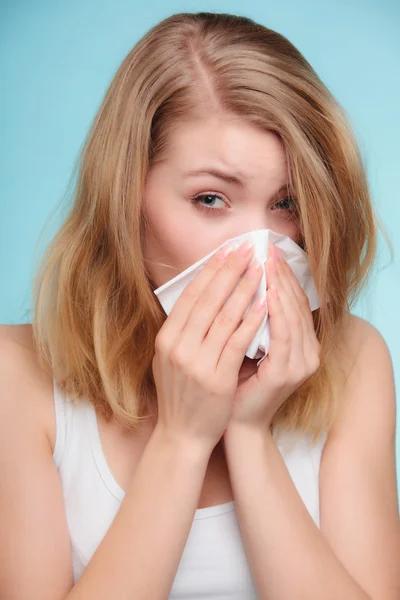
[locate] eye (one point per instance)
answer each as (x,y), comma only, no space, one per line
(289,204)
(196,200)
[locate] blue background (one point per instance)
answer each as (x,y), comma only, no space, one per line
(58,58)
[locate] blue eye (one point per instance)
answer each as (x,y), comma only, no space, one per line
(196,200)
(288,204)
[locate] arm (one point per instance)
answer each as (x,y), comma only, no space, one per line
(356,553)
(140,552)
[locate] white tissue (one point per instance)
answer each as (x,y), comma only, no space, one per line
(295,256)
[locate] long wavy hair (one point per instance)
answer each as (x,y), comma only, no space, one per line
(95,316)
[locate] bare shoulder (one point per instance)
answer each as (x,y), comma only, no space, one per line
(33,526)
(27,390)
(356,333)
(18,334)
(369,389)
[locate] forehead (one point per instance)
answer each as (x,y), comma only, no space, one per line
(231,143)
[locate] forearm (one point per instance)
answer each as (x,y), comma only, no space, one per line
(140,553)
(287,553)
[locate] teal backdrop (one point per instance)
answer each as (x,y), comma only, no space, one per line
(57,59)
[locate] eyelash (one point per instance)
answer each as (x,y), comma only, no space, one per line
(196,201)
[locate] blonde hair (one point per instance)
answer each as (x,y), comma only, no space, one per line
(95,314)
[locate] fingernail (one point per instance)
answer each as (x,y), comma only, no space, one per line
(245,248)
(253,270)
(273,253)
(271,264)
(225,252)
(260,304)
(274,291)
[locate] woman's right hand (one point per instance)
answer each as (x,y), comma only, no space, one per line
(200,348)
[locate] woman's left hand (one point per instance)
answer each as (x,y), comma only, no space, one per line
(293,352)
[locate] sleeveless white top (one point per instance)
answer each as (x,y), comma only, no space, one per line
(213,565)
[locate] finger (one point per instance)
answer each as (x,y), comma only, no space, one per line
(305,354)
(311,347)
(234,311)
(301,299)
(184,305)
(211,300)
(279,347)
(298,291)
(283,278)
(233,353)
(292,312)
(301,354)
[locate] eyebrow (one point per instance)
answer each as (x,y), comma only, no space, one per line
(215,172)
(230,178)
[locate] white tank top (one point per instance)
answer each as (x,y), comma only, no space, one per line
(213,564)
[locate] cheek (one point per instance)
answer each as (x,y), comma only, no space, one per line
(170,221)
(175,236)
(173,244)
(286,227)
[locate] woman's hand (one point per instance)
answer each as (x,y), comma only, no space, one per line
(200,348)
(293,352)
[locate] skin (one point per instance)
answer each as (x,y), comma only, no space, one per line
(358,541)
(238,148)
(354,554)
(180,232)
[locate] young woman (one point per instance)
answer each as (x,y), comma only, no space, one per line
(144,456)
